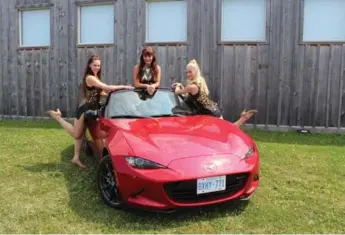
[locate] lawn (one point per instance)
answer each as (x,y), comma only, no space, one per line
(302,189)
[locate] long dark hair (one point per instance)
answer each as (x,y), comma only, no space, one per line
(88,71)
(148,51)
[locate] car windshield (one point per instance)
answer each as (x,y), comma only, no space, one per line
(138,104)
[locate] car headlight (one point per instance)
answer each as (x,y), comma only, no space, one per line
(141,163)
(249,153)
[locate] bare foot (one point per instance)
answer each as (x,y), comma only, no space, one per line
(54,114)
(248,114)
(78,163)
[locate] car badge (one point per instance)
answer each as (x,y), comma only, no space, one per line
(212,167)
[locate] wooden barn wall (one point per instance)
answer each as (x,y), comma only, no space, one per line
(291,84)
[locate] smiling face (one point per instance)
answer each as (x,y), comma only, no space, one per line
(95,66)
(148,58)
(190,71)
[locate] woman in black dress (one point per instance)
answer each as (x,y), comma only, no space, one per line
(147,74)
(89,97)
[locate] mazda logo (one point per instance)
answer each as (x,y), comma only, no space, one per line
(212,167)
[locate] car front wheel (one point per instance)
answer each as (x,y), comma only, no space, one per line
(107,183)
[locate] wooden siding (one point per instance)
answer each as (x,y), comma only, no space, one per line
(291,84)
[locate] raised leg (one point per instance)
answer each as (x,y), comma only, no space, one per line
(245,116)
(74,131)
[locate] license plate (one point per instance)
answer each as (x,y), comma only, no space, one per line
(212,184)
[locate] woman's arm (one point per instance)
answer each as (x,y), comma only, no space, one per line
(192,89)
(138,84)
(93,81)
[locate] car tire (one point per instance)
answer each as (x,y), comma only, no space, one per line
(106,183)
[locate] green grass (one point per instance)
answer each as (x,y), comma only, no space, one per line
(302,189)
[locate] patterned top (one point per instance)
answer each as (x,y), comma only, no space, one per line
(93,95)
(203,101)
(89,95)
(147,77)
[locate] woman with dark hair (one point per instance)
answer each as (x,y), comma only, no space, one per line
(147,74)
(89,97)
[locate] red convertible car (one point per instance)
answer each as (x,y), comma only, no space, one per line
(159,154)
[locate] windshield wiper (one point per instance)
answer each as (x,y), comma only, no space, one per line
(127,116)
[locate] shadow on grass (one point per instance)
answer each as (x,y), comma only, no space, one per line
(85,201)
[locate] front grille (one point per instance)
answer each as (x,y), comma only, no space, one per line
(185,191)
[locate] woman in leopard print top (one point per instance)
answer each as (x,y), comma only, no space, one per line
(89,97)
(198,94)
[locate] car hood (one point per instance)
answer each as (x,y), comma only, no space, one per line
(165,139)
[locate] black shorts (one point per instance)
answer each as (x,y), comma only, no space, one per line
(83,108)
(80,110)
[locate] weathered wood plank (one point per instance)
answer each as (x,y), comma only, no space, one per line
(37,90)
(262,80)
(294,83)
(171,66)
(308,83)
(214,63)
(341,86)
(335,81)
(12,60)
(342,117)
(253,81)
(2,6)
(161,54)
(183,60)
(120,31)
(80,70)
(72,67)
(227,81)
(194,27)
(247,83)
(30,82)
(328,87)
(54,68)
(287,45)
(274,61)
(45,75)
(131,38)
(21,84)
(204,48)
(61,20)
(321,84)
(140,32)
(314,87)
(238,88)
(4,103)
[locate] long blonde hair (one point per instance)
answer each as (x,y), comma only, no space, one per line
(198,77)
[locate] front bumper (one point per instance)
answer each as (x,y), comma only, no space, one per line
(166,189)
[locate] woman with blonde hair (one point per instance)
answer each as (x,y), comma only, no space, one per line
(197,92)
